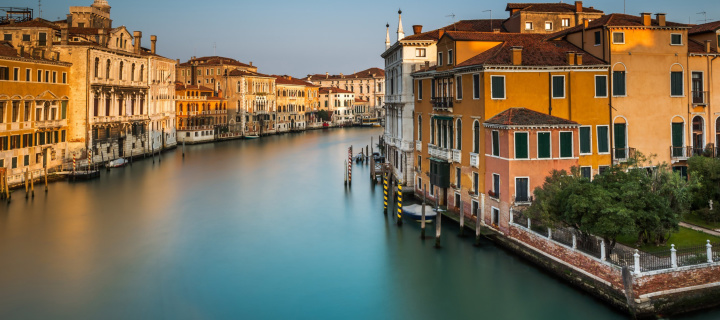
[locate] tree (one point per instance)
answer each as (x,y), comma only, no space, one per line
(706,174)
(323,115)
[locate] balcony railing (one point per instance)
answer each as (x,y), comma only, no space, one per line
(523,200)
(475,160)
(681,153)
(443,103)
(700,98)
(214,112)
(50,124)
(623,154)
(456,156)
(418,145)
(195,128)
(440,153)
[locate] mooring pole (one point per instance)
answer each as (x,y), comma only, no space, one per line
(183,148)
(7,187)
(46,178)
(131,156)
(345,173)
(385,192)
(479,215)
(462,219)
(27,194)
(422,220)
(438,221)
(399,201)
(32,184)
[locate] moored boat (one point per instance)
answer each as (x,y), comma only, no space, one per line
(414,212)
(117,163)
(252,137)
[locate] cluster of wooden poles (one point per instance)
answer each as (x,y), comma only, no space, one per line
(29,180)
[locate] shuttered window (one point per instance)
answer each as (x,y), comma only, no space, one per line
(521,145)
(676,83)
(496,143)
(458,87)
(600,86)
(63,110)
(677,139)
(619,134)
(602,139)
(566,145)
(619,83)
(497,87)
(558,87)
(476,86)
(544,145)
(521,189)
(420,90)
(585,140)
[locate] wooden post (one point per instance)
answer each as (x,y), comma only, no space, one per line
(26,184)
(462,219)
(479,214)
(7,186)
(152,149)
(131,155)
(32,184)
(422,220)
(2,184)
(46,178)
(399,204)
(438,221)
(345,173)
(183,147)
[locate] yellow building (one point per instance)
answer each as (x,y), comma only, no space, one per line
(200,116)
(33,112)
(478,76)
(312,101)
(255,101)
(292,103)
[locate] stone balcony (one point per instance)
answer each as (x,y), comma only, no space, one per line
(50,124)
(418,145)
(440,153)
(456,155)
(474,160)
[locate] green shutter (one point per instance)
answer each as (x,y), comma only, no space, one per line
(619,83)
(601,86)
(619,131)
(558,89)
(566,146)
(521,145)
(585,144)
(498,87)
(476,86)
(603,144)
(544,145)
(677,139)
(676,83)
(496,143)
(63,114)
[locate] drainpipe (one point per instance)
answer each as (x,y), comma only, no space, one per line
(611,125)
(710,87)
(550,93)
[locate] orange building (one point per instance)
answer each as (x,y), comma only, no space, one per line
(200,116)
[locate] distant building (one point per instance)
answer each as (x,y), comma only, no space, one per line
(367,84)
(292,103)
(339,104)
(547,17)
(200,115)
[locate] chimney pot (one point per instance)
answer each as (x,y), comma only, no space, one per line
(153,43)
(417,29)
(21,51)
(578,6)
(251,63)
(64,37)
(579,59)
(571,58)
(138,41)
(707,46)
(516,55)
(646,19)
(660,19)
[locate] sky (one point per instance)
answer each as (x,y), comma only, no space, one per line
(301,37)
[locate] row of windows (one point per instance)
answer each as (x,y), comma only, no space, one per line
(46,76)
(43,111)
(565,140)
(28,140)
(676,39)
(565,22)
(121,70)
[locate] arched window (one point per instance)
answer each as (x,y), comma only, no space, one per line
(132,72)
(458,135)
(97,67)
(142,72)
(107,69)
(476,137)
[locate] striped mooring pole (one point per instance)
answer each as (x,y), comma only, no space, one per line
(350,166)
(73,163)
(399,201)
(385,191)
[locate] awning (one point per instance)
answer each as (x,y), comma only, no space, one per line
(443,118)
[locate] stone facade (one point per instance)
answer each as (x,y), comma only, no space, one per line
(368,85)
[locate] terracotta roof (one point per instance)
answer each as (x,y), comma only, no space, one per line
(34,23)
(480,25)
(614,20)
(247,73)
(325,90)
(291,81)
(367,73)
(179,86)
(695,46)
(526,117)
(215,60)
(360,100)
(547,7)
(7,50)
(87,31)
(705,27)
(536,51)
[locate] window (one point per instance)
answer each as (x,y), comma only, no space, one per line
(419,52)
(458,88)
(619,89)
(450,57)
(676,84)
(476,137)
(565,22)
(496,143)
(544,145)
(14,163)
(440,59)
(598,40)
(476,86)
(39,76)
(54,77)
(47,76)
(474,207)
(586,140)
(548,26)
(457,200)
(42,39)
(7,37)
(558,87)
(676,39)
(528,25)
(496,186)
(27,75)
(497,87)
(16,74)
(586,172)
(600,86)
(495,216)
(419,163)
(432,88)
(522,189)
(521,145)
(420,90)
(476,183)
(678,138)
(603,139)
(458,135)
(458,176)
(618,38)
(566,144)
(620,133)
(64,77)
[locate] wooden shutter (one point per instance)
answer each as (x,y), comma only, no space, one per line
(498,87)
(496,143)
(558,87)
(601,86)
(476,86)
(585,144)
(521,145)
(676,83)
(544,145)
(602,134)
(619,83)
(566,147)
(677,139)
(619,130)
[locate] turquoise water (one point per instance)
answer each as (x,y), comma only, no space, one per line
(256,229)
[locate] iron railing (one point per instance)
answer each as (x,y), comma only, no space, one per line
(623,154)
(700,98)
(442,103)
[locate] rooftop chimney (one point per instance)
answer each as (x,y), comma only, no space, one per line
(341,75)
(251,63)
(496,30)
(153,42)
(578,6)
(21,51)
(579,59)
(138,41)
(707,46)
(441,32)
(646,19)
(585,23)
(417,29)
(660,19)
(64,37)
(570,58)
(327,75)
(516,56)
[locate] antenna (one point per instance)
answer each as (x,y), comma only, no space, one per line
(453,17)
(40,7)
(491,25)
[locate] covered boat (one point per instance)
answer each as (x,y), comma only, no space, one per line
(117,163)
(414,212)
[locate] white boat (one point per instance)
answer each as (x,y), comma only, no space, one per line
(252,137)
(414,212)
(117,163)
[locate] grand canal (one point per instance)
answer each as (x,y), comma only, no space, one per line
(256,229)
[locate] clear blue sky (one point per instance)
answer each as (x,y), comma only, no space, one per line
(298,37)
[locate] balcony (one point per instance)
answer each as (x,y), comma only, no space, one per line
(456,156)
(623,154)
(700,98)
(195,128)
(440,153)
(442,103)
(474,160)
(418,145)
(211,112)
(524,200)
(683,153)
(50,124)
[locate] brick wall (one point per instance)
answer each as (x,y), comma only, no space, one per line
(696,276)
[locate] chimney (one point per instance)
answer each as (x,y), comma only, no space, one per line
(21,51)
(178,61)
(516,56)
(57,56)
(441,32)
(585,23)
(660,19)
(327,75)
(101,37)
(578,6)
(417,29)
(578,59)
(251,63)
(138,41)
(153,42)
(341,75)
(570,58)
(496,30)
(707,46)
(646,19)
(64,37)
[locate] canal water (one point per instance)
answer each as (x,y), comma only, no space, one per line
(256,229)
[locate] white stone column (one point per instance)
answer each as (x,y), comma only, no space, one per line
(673,256)
(636,257)
(709,252)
